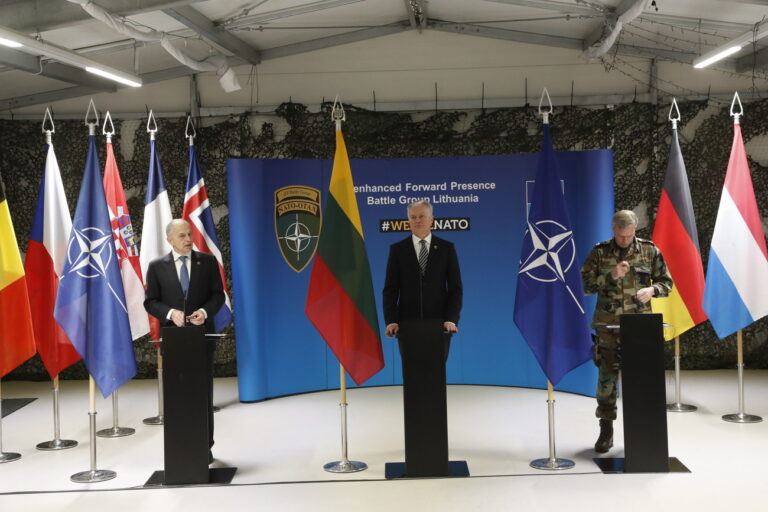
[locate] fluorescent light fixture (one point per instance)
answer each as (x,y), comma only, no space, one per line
(716,57)
(35,47)
(9,43)
(729,47)
(111,76)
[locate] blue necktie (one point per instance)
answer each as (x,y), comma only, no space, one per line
(184,274)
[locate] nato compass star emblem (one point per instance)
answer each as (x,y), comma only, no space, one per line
(89,256)
(297,237)
(552,254)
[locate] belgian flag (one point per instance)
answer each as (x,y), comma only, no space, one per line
(340,301)
(17,341)
(675,235)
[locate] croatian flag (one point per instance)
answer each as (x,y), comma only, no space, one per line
(735,294)
(90,304)
(45,259)
(157,215)
(126,247)
(197,211)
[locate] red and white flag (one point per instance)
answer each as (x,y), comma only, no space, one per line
(126,247)
(46,252)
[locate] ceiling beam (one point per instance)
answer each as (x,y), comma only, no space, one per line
(31,16)
(288,12)
(330,41)
(193,19)
(506,34)
(610,21)
(549,5)
(31,64)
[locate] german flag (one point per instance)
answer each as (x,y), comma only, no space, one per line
(340,301)
(675,235)
(17,341)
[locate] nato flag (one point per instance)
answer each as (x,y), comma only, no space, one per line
(549,301)
(90,304)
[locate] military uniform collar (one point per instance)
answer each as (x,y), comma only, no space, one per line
(631,248)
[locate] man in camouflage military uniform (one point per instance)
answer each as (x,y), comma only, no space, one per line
(624,272)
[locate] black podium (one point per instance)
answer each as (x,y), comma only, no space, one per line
(645,414)
(424,349)
(186,378)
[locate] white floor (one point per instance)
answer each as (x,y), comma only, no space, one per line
(280,446)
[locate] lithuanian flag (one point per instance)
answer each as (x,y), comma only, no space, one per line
(340,301)
(17,341)
(675,235)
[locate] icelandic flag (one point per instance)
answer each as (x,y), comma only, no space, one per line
(549,300)
(157,215)
(90,304)
(737,271)
(197,211)
(126,246)
(45,260)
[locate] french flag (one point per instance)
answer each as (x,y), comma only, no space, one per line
(157,215)
(197,211)
(737,272)
(46,252)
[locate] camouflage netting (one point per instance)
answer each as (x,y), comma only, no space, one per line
(639,134)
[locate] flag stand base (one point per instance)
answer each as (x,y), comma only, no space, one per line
(57,444)
(345,466)
(741,417)
(9,457)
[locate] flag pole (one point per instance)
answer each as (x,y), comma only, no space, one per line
(344,465)
(160,418)
(5,456)
(92,475)
(57,443)
(679,406)
(741,416)
(551,462)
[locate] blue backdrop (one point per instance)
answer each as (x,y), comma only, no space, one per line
(278,350)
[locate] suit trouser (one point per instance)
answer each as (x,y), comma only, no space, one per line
(211,348)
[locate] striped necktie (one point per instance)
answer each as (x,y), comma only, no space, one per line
(423,255)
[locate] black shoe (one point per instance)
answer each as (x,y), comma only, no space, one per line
(605,440)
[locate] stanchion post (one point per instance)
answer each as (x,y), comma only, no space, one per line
(93,475)
(551,462)
(116,430)
(57,443)
(159,419)
(741,416)
(344,465)
(678,406)
(9,456)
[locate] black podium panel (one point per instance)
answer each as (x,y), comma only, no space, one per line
(423,347)
(645,414)
(185,398)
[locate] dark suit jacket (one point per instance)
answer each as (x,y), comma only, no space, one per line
(409,296)
(164,289)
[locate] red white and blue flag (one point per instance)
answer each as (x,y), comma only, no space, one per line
(126,247)
(45,260)
(157,215)
(197,211)
(737,271)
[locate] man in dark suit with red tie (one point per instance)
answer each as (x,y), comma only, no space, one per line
(423,278)
(184,287)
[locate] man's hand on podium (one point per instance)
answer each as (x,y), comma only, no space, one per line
(197,318)
(450,327)
(177,317)
(391,330)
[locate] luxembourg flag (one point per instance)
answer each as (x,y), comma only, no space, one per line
(157,215)
(735,294)
(46,252)
(197,211)
(126,247)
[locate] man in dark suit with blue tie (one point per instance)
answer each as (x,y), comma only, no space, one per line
(423,280)
(184,287)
